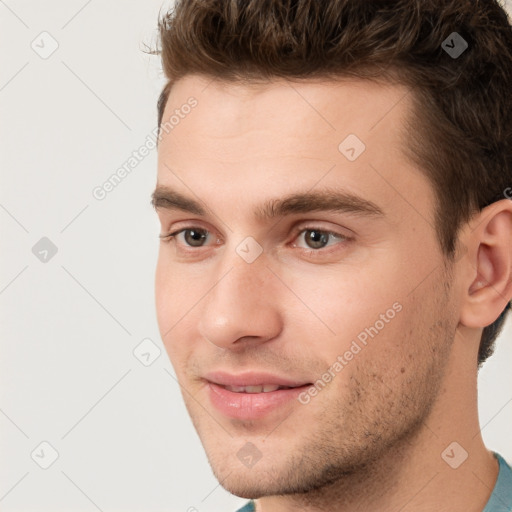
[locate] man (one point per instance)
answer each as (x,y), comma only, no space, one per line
(336,245)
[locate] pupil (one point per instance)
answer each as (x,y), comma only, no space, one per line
(318,239)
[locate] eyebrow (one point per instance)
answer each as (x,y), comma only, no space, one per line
(328,200)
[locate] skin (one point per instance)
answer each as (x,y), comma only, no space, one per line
(372,438)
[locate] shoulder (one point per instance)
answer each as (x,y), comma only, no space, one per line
(501,497)
(248,507)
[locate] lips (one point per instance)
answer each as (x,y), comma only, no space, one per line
(253,380)
(263,388)
(252,395)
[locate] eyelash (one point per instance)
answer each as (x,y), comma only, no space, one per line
(310,252)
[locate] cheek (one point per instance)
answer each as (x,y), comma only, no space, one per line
(172,290)
(162,292)
(344,306)
(177,294)
(169,304)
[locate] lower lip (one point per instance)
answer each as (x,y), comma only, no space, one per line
(251,406)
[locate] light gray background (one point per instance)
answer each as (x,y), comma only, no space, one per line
(69,325)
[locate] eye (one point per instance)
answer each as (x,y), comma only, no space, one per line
(315,238)
(194,237)
(318,238)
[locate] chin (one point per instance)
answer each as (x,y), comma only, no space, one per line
(245,487)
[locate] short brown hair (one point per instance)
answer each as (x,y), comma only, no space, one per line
(460,133)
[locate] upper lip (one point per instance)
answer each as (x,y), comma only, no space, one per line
(252,379)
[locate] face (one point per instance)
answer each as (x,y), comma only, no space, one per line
(304,261)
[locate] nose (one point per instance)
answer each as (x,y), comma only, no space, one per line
(243,306)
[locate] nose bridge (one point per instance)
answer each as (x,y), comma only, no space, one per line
(242,301)
(242,272)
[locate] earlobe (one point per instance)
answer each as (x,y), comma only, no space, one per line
(490,287)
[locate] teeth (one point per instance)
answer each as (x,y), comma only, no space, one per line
(264,388)
(236,389)
(253,389)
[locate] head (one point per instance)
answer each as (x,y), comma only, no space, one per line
(370,300)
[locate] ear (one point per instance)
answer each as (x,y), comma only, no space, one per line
(488,287)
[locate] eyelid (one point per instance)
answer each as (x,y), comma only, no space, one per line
(297,230)
(176,232)
(317,225)
(299,227)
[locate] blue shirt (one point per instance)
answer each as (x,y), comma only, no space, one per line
(501,497)
(500,500)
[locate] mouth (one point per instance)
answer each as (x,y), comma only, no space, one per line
(252,396)
(262,388)
(253,381)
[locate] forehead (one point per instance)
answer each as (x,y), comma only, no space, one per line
(284,133)
(335,101)
(311,117)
